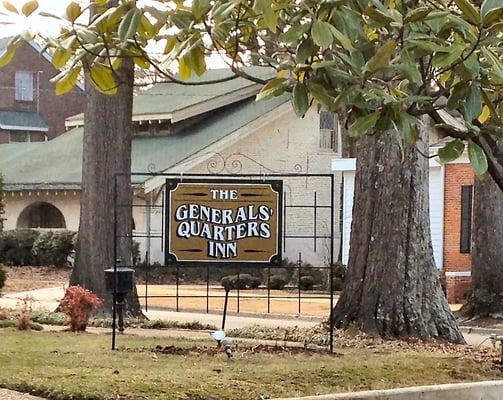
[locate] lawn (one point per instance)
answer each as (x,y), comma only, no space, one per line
(68,366)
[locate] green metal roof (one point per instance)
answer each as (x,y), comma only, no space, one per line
(58,163)
(168,98)
(20,120)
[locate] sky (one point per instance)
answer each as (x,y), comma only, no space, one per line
(14,24)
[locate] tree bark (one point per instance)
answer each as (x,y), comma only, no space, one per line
(392,286)
(106,152)
(486,297)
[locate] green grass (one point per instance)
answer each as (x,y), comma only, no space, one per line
(69,366)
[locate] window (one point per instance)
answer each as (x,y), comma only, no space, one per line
(41,215)
(329,131)
(24,86)
(466,219)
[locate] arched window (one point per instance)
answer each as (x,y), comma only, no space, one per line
(41,215)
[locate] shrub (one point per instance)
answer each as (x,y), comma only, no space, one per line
(277,282)
(16,247)
(78,304)
(255,282)
(3,276)
(25,311)
(339,276)
(306,282)
(241,282)
(53,248)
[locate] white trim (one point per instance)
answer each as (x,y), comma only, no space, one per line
(442,220)
(457,273)
(23,128)
(184,113)
(349,164)
(344,164)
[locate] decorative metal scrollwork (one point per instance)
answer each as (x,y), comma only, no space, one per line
(234,164)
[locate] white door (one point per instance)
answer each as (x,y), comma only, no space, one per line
(436,211)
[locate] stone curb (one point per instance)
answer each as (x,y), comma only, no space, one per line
(487,390)
(481,331)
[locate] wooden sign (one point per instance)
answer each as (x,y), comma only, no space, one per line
(227,221)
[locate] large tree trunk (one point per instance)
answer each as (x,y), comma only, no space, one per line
(486,296)
(392,285)
(107,151)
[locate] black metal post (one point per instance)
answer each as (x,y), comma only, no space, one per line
(269,289)
(239,283)
(177,283)
(315,218)
(114,296)
(207,289)
(299,263)
(120,311)
(225,307)
(332,221)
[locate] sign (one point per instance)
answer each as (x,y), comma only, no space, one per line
(228,221)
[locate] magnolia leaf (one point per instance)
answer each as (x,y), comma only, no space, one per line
(7,55)
(477,158)
(472,106)
(200,7)
(322,34)
(30,7)
(469,11)
(10,7)
(417,14)
(489,6)
(103,79)
(408,126)
(300,99)
(147,29)
(451,151)
(382,57)
(484,115)
(67,81)
(493,60)
(142,62)
(294,33)
(73,11)
(442,60)
(364,124)
(320,93)
(305,49)
(273,88)
(61,57)
(183,69)
(171,41)
(342,39)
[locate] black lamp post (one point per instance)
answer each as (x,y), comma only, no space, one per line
(119,281)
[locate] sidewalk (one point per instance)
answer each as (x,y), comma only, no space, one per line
(11,395)
(48,299)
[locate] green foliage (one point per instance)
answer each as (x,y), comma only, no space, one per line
(382,63)
(340,271)
(31,247)
(306,282)
(2,203)
(16,247)
(277,282)
(53,248)
(241,282)
(3,276)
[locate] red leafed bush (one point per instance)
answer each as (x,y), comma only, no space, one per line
(78,304)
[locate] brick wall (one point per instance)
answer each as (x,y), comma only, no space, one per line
(456,176)
(54,109)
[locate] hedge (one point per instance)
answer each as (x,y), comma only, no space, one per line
(31,247)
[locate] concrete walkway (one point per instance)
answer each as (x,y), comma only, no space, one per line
(48,299)
(11,395)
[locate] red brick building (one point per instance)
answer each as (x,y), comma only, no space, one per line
(29,108)
(450,195)
(458,195)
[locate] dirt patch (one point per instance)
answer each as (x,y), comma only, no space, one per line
(20,279)
(258,349)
